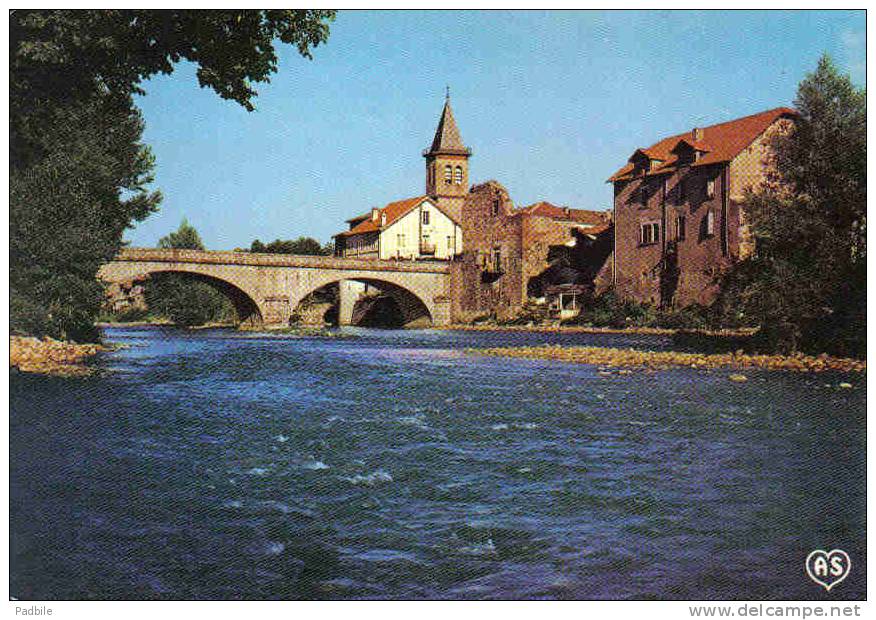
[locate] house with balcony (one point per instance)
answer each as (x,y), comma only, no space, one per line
(410,229)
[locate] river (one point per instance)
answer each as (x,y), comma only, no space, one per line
(390,464)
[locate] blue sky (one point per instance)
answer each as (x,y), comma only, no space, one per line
(550,102)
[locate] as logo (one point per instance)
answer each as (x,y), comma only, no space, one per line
(828,568)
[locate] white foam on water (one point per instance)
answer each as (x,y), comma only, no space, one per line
(487,548)
(257,471)
(499,427)
(370,479)
(233,504)
(314,465)
(281,438)
(274,548)
(278,506)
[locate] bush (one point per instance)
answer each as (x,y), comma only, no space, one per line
(607,310)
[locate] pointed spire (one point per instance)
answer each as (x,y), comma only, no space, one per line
(447,138)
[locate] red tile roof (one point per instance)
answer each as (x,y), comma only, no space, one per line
(546,209)
(721,142)
(393,211)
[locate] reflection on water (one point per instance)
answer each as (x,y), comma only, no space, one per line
(219,464)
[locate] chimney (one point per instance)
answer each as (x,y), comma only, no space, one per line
(374,213)
(697,134)
(566,211)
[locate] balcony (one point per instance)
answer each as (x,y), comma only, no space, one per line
(427,249)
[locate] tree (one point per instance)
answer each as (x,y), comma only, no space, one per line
(79,173)
(180,298)
(184,238)
(68,210)
(805,285)
(304,246)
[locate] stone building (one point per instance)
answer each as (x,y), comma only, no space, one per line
(677,217)
(513,255)
(502,256)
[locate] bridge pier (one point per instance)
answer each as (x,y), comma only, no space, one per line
(348,294)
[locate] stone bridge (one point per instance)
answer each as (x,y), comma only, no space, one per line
(268,288)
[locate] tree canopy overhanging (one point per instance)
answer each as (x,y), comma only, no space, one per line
(79,171)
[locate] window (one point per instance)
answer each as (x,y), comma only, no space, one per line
(448,174)
(497,260)
(458,177)
(400,241)
(495,210)
(449,243)
(710,188)
(680,228)
(680,192)
(709,224)
(649,233)
(643,194)
(425,217)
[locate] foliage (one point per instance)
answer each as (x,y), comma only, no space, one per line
(180,298)
(304,246)
(68,210)
(186,302)
(805,285)
(607,310)
(184,238)
(79,173)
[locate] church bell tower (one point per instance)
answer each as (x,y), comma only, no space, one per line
(447,164)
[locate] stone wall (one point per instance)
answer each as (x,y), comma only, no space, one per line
(488,224)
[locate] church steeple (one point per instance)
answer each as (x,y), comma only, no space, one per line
(447,139)
(447,162)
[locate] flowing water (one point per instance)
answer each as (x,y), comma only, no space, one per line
(222,464)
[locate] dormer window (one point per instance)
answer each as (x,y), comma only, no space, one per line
(383,219)
(656,163)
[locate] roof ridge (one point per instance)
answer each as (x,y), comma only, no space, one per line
(730,122)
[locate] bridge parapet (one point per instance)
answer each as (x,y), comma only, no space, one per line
(211,257)
(269,287)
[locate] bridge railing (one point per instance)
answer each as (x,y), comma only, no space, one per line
(213,257)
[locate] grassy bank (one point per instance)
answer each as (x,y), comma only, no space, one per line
(661,360)
(48,356)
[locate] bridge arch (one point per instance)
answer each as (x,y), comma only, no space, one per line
(360,295)
(244,301)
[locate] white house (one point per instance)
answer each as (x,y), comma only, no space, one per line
(405,229)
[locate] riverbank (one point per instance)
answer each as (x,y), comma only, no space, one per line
(583,329)
(51,357)
(662,360)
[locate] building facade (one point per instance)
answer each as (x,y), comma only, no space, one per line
(515,255)
(677,218)
(414,228)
